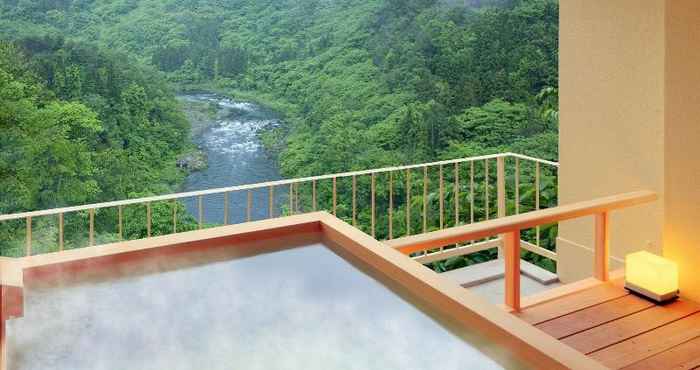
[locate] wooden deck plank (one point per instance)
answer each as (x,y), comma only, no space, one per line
(571,303)
(594,316)
(652,343)
(629,326)
(683,356)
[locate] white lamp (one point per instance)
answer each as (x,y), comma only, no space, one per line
(652,276)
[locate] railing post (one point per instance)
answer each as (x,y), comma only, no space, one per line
(335,196)
(354,200)
(91,236)
(291,198)
(456,194)
(60,231)
(120,222)
(226,206)
(249,206)
(175,216)
(313,195)
(511,243)
(148,221)
(501,193)
(28,241)
(425,199)
(408,202)
(271,201)
(517,186)
(200,206)
(373,201)
(391,205)
(602,247)
(442,200)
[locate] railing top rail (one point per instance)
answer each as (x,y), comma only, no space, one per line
(159,198)
(522,221)
(533,159)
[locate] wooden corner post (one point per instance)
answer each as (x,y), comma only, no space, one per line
(601,270)
(511,246)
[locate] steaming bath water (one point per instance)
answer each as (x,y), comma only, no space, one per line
(301,308)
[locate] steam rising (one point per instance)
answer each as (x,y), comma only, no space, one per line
(304,308)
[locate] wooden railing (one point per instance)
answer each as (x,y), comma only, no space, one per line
(418,191)
(511,226)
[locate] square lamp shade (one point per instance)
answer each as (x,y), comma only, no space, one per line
(652,276)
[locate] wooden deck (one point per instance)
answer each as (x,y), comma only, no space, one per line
(622,330)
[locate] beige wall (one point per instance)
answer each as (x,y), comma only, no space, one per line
(682,142)
(630,119)
(612,113)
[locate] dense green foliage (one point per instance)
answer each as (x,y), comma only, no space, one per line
(362,83)
(81,126)
(360,70)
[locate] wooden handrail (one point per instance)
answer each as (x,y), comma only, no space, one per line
(453,235)
(509,228)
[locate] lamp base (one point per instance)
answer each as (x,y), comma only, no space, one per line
(651,295)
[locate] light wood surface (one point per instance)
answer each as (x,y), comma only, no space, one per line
(653,343)
(590,317)
(629,326)
(685,356)
(573,302)
(623,332)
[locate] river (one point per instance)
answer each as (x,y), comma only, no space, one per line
(226,130)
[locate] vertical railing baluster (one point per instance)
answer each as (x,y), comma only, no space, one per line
(354,200)
(120,222)
(313,195)
(60,232)
(486,189)
(456,193)
(425,199)
(291,198)
(249,206)
(373,216)
(537,199)
(271,201)
(28,239)
(200,202)
(148,219)
(391,205)
(471,192)
(91,235)
(335,196)
(517,186)
(296,198)
(226,208)
(442,199)
(408,202)
(501,195)
(174,216)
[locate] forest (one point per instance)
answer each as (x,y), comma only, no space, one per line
(360,84)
